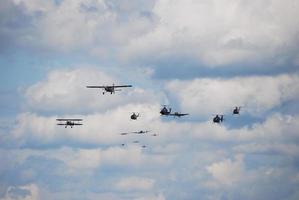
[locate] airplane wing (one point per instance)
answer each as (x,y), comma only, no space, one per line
(183,114)
(178,114)
(77,124)
(120,86)
(60,124)
(69,119)
(95,86)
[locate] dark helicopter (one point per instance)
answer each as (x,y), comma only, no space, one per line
(134,116)
(165,110)
(236,111)
(218,119)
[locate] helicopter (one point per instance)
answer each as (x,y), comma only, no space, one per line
(236,111)
(165,110)
(134,116)
(218,119)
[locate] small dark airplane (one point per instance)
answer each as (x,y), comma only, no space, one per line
(136,132)
(236,111)
(69,122)
(177,114)
(165,110)
(141,132)
(218,119)
(123,144)
(109,88)
(134,116)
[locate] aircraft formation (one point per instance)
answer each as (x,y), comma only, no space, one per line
(165,111)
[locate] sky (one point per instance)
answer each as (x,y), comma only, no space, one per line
(199,57)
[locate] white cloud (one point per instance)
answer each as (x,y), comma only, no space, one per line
(32,6)
(98,128)
(220,33)
(135,183)
(270,148)
(207,96)
(65,90)
(152,197)
(95,25)
(26,192)
(227,172)
(210,32)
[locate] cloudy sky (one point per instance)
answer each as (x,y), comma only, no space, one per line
(203,57)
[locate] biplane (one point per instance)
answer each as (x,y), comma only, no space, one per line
(69,122)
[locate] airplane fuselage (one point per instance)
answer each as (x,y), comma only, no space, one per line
(109,89)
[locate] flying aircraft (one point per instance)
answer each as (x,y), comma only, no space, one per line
(177,114)
(109,88)
(154,135)
(134,116)
(69,122)
(218,119)
(136,132)
(236,111)
(143,146)
(141,132)
(165,110)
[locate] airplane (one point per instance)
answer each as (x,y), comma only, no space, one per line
(134,116)
(165,111)
(236,111)
(141,132)
(177,114)
(218,119)
(136,132)
(69,122)
(154,135)
(109,88)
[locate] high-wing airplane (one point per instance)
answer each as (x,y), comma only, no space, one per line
(69,122)
(177,114)
(165,110)
(109,88)
(236,111)
(134,116)
(218,119)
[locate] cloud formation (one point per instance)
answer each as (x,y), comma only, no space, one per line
(257,94)
(222,54)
